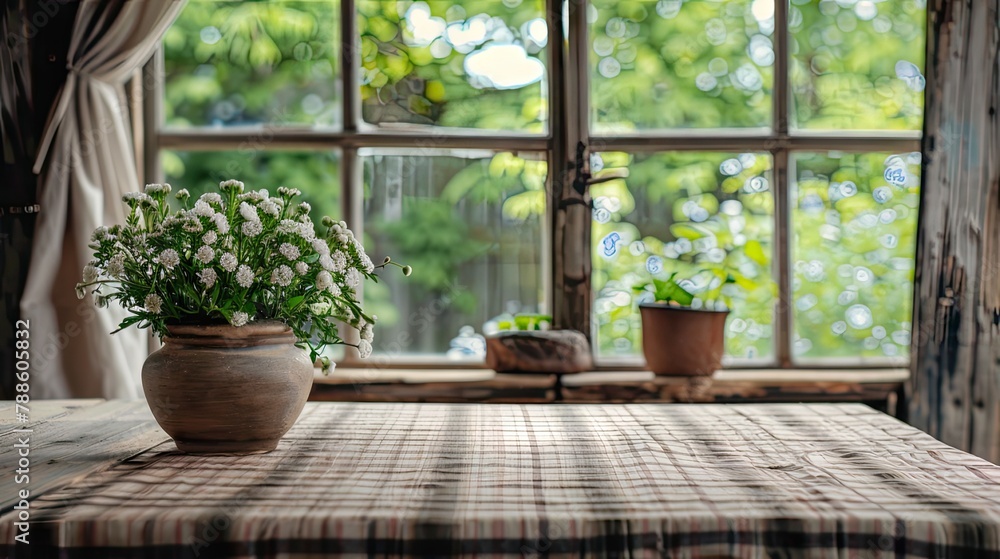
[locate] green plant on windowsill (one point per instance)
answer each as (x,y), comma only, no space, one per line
(679,339)
(670,292)
(524,322)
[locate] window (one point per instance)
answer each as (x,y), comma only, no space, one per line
(776,144)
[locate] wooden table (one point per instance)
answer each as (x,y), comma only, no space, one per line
(376,479)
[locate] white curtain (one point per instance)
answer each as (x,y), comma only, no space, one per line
(86,163)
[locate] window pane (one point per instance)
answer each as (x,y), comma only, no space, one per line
(857,65)
(705,216)
(463,64)
(245,63)
(316,174)
(471,227)
(680,64)
(855,223)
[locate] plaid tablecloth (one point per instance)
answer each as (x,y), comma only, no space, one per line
(387,480)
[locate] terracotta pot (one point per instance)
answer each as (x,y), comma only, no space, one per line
(681,341)
(224,390)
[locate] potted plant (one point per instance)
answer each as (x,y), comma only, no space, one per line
(245,293)
(679,340)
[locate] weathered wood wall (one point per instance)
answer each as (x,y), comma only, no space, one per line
(954,392)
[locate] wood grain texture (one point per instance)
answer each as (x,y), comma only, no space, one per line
(70,440)
(953,393)
(478,385)
(482,386)
(733,387)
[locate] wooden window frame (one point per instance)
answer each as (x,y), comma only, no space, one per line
(567,273)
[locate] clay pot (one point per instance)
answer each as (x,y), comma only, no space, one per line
(219,389)
(680,341)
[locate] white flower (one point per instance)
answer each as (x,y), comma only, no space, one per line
(306,231)
(288,227)
(270,208)
(366,263)
(169,258)
(153,303)
(335,290)
(228,262)
(193,225)
(320,246)
(368,333)
(208,277)
(290,192)
(169,222)
(353,278)
(240,318)
(116,266)
(304,208)
(210,198)
(302,268)
(282,275)
(99,234)
(339,262)
(364,348)
(221,223)
(244,276)
(89,273)
(210,238)
(228,185)
(157,188)
(289,251)
(326,262)
(324,280)
(248,212)
(205,254)
(201,208)
(81,292)
(252,228)
(319,309)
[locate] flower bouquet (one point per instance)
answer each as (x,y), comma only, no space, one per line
(235,257)
(237,285)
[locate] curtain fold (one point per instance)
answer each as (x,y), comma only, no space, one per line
(86,164)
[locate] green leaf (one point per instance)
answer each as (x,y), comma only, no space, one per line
(669,290)
(755,251)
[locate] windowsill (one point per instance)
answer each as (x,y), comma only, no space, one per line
(352,375)
(877,386)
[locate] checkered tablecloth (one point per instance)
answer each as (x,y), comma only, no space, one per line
(677,481)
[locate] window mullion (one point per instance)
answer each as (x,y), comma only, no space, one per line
(782,192)
(152,115)
(349,66)
(571,262)
(781,252)
(780,93)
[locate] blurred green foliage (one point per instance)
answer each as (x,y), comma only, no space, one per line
(703,216)
(471,224)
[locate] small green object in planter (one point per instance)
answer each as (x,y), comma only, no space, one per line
(526,322)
